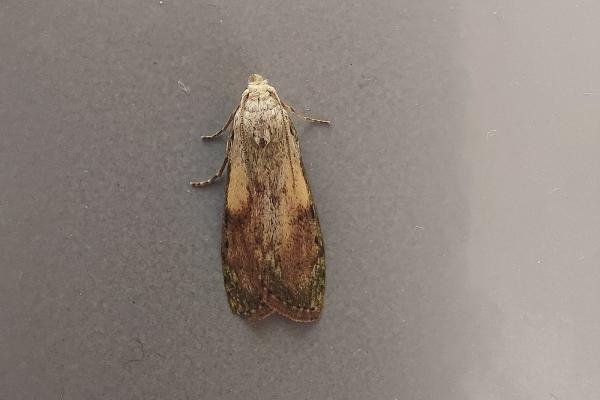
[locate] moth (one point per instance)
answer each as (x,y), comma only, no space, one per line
(272,246)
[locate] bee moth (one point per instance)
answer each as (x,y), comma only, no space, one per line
(272,246)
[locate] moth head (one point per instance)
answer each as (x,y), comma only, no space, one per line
(256,79)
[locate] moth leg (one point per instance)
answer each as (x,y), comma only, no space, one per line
(217,175)
(229,121)
(290,108)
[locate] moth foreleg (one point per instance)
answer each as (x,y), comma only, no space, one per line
(290,108)
(217,175)
(229,121)
(213,178)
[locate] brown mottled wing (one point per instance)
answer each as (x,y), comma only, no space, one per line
(294,284)
(239,241)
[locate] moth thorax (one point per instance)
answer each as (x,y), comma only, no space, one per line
(262,137)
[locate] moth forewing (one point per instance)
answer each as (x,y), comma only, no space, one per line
(272,246)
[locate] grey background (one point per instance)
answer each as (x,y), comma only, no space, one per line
(458,192)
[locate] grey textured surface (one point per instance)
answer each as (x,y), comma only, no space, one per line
(458,192)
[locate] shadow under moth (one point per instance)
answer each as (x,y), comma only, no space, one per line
(272,246)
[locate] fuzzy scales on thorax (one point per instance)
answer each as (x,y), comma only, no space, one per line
(268,145)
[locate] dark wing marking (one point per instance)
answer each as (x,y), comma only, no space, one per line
(240,262)
(294,284)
